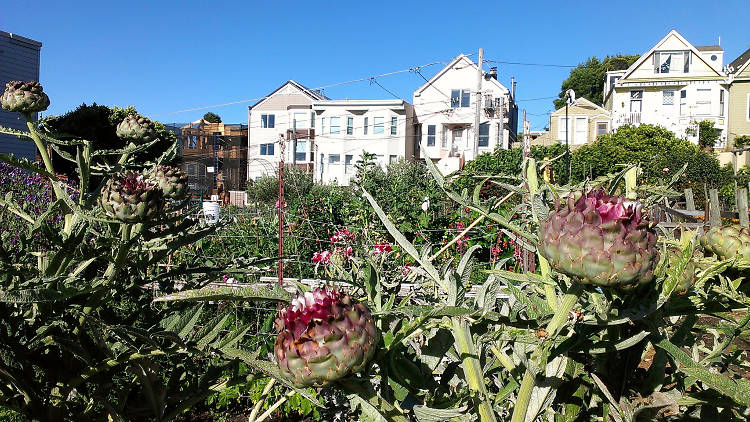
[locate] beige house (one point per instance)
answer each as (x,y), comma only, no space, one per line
(586,122)
(739,96)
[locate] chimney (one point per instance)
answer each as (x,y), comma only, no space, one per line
(493,73)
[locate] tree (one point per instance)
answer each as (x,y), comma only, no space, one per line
(707,134)
(587,79)
(212,117)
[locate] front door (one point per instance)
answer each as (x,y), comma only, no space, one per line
(458,138)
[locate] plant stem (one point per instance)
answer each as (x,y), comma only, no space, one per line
(553,327)
(273,407)
(369,395)
(43,153)
(122,252)
(259,404)
(472,368)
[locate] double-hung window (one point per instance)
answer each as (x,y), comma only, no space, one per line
(484,134)
(301,153)
(703,101)
(348,164)
(322,125)
(394,125)
(266,149)
(636,101)
(335,125)
(460,98)
(721,103)
(378,125)
(365,125)
(268,121)
(562,126)
(431,135)
(334,159)
(350,125)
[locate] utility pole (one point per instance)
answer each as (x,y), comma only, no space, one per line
(281,210)
(480,76)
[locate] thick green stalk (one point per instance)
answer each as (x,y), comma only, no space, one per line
(43,153)
(122,252)
(553,327)
(472,368)
(263,396)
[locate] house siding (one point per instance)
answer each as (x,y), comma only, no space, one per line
(739,101)
(593,116)
(19,60)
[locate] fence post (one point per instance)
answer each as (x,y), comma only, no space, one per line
(689,200)
(715,214)
(742,206)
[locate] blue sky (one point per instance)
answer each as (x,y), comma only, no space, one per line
(164,57)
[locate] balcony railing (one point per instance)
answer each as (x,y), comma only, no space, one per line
(631,118)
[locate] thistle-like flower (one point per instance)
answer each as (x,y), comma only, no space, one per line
(600,239)
(323,336)
(136,128)
(24,97)
(172,181)
(727,242)
(130,198)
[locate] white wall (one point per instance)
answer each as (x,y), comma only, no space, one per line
(385,145)
(433,107)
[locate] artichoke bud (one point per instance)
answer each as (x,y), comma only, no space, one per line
(727,242)
(172,181)
(24,97)
(323,335)
(136,128)
(600,239)
(130,198)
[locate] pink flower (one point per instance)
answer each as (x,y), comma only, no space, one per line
(279,205)
(381,248)
(460,225)
(341,235)
(406,270)
(321,257)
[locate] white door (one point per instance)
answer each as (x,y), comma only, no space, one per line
(582,130)
(458,135)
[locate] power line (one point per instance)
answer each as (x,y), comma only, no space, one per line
(532,64)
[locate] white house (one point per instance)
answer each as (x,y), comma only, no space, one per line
(284,115)
(445,107)
(674,85)
(346,129)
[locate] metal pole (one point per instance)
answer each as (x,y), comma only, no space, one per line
(281,212)
(567,147)
(475,150)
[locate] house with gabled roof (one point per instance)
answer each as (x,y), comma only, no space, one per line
(675,85)
(586,122)
(445,108)
(739,96)
(283,116)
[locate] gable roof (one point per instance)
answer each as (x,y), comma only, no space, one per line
(650,52)
(739,63)
(584,102)
(314,95)
(461,58)
(709,48)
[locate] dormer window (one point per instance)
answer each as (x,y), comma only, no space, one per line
(672,61)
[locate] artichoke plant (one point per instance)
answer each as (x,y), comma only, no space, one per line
(130,198)
(172,181)
(600,239)
(727,242)
(136,128)
(24,97)
(323,336)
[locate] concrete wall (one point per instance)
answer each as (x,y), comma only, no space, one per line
(19,61)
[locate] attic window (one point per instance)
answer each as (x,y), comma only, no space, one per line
(713,57)
(672,61)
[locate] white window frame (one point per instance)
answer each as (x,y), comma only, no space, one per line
(561,128)
(331,160)
(433,135)
(664,96)
(378,127)
(337,125)
(394,125)
(585,120)
(350,125)
(747,111)
(699,103)
(266,144)
(267,123)
(365,125)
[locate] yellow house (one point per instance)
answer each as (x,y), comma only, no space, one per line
(739,96)
(586,122)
